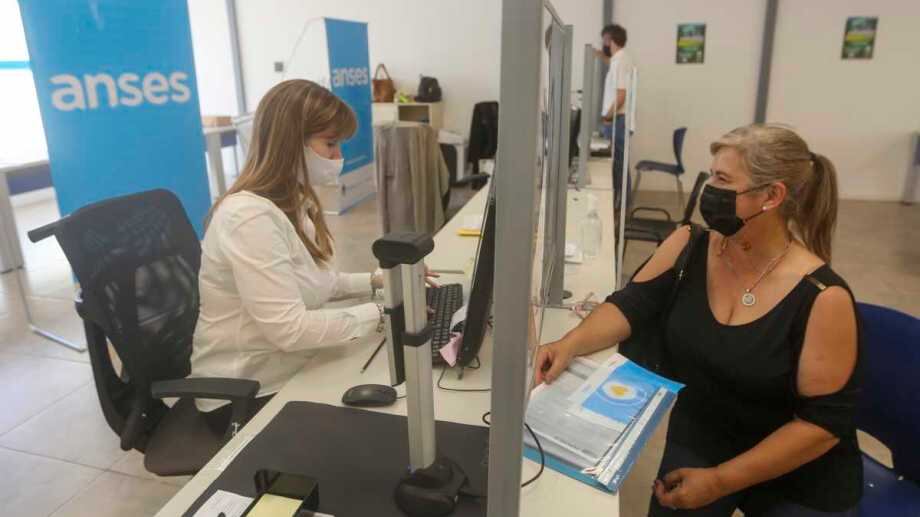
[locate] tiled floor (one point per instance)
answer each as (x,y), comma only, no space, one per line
(58,456)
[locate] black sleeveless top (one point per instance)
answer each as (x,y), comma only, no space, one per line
(741,380)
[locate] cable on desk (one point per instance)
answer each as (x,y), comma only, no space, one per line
(460,390)
(536,440)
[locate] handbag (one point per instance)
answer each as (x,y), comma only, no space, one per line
(646,346)
(383,89)
(428,90)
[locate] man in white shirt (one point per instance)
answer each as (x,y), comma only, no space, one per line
(613,109)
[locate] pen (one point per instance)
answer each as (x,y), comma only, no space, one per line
(376,351)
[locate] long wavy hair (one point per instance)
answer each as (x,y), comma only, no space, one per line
(287,117)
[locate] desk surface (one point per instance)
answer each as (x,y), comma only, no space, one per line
(332,371)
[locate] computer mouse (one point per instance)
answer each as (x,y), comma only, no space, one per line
(369,395)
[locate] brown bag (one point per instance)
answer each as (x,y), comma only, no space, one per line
(384,89)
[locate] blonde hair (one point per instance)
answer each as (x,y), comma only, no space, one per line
(288,115)
(774,153)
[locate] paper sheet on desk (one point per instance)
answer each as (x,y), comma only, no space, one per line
(226,503)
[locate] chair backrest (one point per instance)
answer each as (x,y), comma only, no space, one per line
(678,141)
(483,133)
(244,125)
(889,408)
(694,196)
(137,259)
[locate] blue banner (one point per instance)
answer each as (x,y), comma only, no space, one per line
(118,96)
(349,74)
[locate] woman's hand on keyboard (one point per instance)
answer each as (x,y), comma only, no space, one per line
(429,275)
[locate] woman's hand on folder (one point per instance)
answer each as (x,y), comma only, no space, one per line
(552,360)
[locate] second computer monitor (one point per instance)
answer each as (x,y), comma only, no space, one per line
(479,306)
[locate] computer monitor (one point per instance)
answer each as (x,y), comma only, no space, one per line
(479,306)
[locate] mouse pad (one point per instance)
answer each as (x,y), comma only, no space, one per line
(357,456)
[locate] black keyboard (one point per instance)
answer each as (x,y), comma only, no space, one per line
(444,301)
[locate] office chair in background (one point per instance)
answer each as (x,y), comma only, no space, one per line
(657,230)
(889,409)
(137,258)
(674,169)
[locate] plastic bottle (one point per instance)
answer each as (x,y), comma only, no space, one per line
(591,230)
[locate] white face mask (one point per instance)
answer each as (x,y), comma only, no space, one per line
(323,171)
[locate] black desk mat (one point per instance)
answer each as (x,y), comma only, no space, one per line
(357,456)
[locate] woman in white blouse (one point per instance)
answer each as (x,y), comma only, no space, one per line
(268,263)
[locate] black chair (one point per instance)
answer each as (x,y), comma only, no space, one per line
(657,230)
(137,258)
(483,134)
(674,169)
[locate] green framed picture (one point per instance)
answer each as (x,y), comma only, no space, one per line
(691,43)
(859,37)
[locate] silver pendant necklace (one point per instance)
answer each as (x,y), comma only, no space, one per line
(748,299)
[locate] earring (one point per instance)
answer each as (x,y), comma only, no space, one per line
(763,208)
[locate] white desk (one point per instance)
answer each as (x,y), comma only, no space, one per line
(213,137)
(10,249)
(333,371)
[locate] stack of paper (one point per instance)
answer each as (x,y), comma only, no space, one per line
(593,421)
(471,226)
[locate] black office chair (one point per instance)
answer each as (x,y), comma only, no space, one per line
(674,169)
(137,258)
(657,230)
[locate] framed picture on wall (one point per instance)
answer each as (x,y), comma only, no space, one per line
(691,43)
(859,37)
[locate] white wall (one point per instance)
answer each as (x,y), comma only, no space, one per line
(586,17)
(213,57)
(858,113)
(709,98)
(457,42)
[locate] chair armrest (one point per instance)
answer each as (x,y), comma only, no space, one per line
(206,388)
(652,236)
(650,209)
(466,180)
(240,392)
(43,232)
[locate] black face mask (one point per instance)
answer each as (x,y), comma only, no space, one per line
(718,208)
(607,51)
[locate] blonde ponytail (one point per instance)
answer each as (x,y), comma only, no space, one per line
(816,214)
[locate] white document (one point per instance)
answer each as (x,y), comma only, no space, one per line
(558,424)
(228,503)
(472,222)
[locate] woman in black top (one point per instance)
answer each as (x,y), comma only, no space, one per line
(762,332)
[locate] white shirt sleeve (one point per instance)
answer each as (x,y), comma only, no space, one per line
(264,273)
(351,285)
(609,94)
(624,69)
